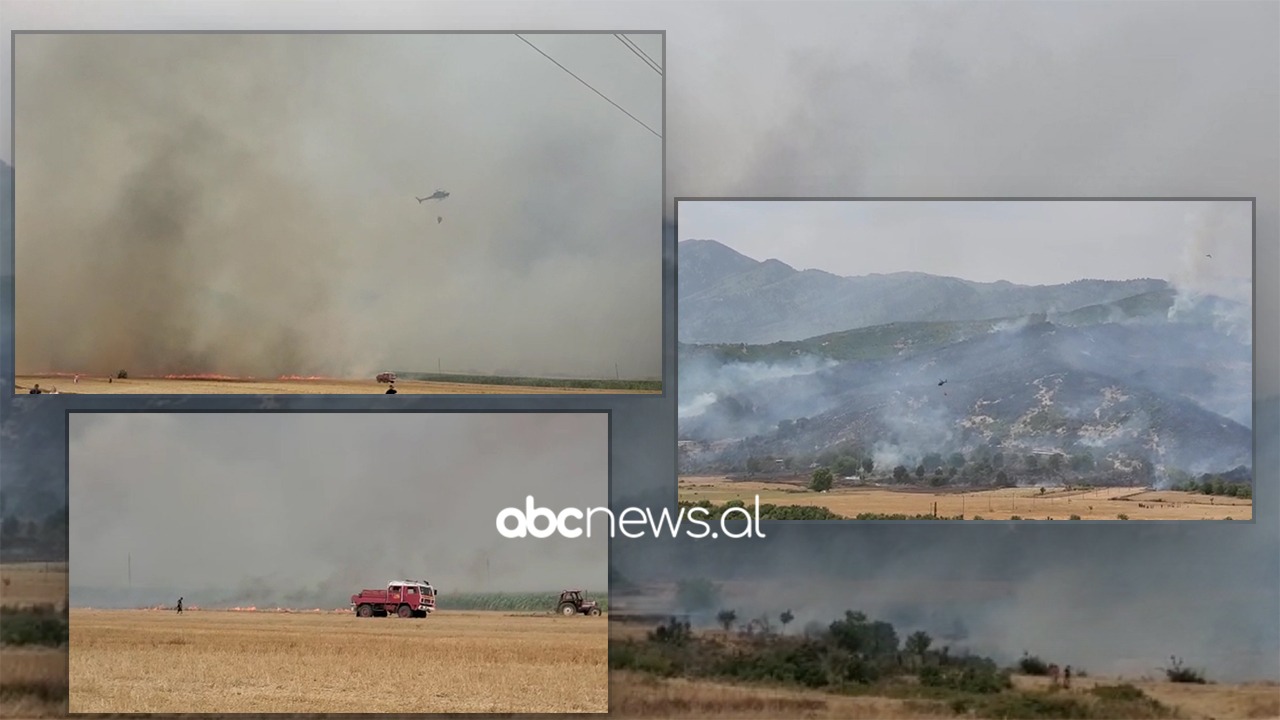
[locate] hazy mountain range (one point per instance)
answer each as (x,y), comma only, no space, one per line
(727,297)
(1124,370)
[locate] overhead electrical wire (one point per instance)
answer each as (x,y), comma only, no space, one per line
(645,54)
(638,52)
(584,82)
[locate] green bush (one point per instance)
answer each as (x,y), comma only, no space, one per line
(1033,665)
(39,625)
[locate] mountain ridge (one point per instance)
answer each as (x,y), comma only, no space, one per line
(725,296)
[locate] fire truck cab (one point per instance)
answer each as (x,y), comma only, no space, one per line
(403,598)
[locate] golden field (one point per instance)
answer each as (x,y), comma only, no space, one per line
(139,661)
(1106,503)
(167,386)
(633,695)
(33,683)
(36,583)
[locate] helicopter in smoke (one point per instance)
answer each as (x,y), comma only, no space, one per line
(437,195)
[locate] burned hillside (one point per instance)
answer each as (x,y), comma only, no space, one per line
(1138,392)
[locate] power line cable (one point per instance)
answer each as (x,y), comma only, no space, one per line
(584,82)
(635,50)
(642,52)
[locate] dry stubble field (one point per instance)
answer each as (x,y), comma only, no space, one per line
(34,583)
(1002,504)
(34,679)
(166,386)
(139,661)
(634,695)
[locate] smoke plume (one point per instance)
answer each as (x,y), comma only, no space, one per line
(295,508)
(244,205)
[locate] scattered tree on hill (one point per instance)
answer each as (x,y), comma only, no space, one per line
(868,465)
(900,473)
(727,618)
(917,644)
(932,461)
(785,618)
(920,472)
(1178,673)
(1033,665)
(821,481)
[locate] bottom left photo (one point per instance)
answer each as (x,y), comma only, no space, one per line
(334,563)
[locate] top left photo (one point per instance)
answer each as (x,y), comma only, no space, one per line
(332,213)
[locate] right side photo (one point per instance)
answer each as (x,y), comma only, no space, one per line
(961,359)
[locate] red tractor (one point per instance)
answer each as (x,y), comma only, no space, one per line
(572,603)
(403,598)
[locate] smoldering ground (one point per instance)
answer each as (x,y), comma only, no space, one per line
(306,509)
(244,205)
(1132,388)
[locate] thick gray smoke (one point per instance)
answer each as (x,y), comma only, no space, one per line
(924,99)
(301,509)
(244,205)
(1211,252)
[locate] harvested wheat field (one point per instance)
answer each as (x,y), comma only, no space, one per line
(635,695)
(1216,701)
(199,386)
(1026,503)
(33,583)
(139,661)
(34,682)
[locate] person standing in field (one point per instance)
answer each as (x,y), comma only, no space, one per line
(179,606)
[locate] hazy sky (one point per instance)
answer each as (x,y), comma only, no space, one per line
(1031,243)
(244,204)
(931,99)
(301,501)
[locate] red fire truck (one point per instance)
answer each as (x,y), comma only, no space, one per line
(403,598)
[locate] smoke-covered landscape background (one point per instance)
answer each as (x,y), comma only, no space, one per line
(305,510)
(860,99)
(245,205)
(1117,333)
